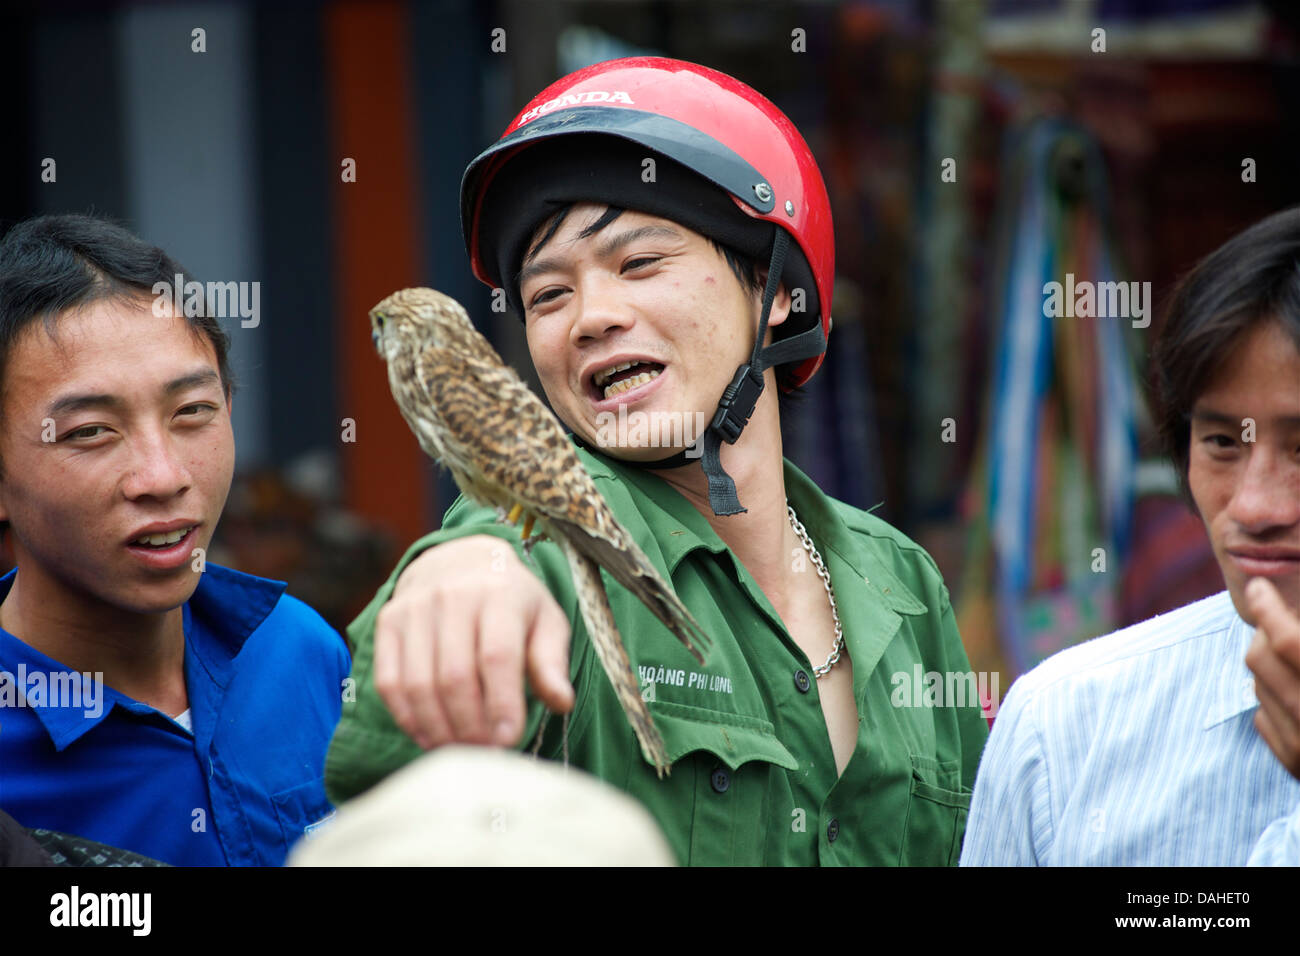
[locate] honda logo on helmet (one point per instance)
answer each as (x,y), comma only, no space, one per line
(575,99)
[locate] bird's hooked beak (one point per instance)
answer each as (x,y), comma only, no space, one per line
(376,332)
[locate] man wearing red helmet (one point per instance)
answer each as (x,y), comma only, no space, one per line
(665,235)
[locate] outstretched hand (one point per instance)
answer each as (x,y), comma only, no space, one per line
(466,623)
(1274,657)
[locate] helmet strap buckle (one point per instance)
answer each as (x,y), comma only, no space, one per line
(737,403)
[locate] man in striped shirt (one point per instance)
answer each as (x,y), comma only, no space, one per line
(1177,741)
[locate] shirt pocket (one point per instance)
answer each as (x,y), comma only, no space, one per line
(299,810)
(936,814)
(723,766)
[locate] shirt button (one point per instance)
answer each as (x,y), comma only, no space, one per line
(801,681)
(832,830)
(720,780)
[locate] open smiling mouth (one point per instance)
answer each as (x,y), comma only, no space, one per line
(165,551)
(617,379)
(163,540)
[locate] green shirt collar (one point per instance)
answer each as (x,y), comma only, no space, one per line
(684,529)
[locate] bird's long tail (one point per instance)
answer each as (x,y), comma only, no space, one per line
(613,657)
(663,602)
(629,566)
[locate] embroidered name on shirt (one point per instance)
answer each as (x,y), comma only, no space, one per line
(680,677)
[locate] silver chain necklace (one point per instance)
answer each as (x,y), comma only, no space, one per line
(834,657)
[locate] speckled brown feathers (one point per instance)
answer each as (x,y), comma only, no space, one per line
(474,414)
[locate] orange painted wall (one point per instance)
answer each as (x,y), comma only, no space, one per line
(386,475)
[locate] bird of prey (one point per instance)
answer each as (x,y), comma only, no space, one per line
(473,413)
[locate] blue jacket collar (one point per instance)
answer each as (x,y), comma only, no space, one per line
(225,609)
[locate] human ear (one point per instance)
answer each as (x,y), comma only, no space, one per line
(780,304)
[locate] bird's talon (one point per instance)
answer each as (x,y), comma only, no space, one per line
(537,744)
(529,544)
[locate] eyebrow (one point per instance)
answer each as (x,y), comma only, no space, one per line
(1211,416)
(605,249)
(609,246)
(67,404)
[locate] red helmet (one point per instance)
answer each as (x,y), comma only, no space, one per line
(713,126)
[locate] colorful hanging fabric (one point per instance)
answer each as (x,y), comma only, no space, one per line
(1052,499)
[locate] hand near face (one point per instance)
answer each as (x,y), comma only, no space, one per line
(1274,656)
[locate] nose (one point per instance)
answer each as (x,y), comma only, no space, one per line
(602,308)
(157,469)
(1268,492)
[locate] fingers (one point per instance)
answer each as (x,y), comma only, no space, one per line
(404,674)
(1274,657)
(548,656)
(501,650)
(1280,623)
(455,684)
(453,643)
(404,662)
(1284,724)
(1278,717)
(388,669)
(1274,676)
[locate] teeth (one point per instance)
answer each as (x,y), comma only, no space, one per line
(619,387)
(171,537)
(603,377)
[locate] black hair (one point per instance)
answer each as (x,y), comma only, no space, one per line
(1253,277)
(54,263)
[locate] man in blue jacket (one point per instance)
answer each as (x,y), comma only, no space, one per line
(148,700)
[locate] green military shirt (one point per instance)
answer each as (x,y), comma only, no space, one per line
(753,777)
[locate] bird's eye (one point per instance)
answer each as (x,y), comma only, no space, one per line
(379,321)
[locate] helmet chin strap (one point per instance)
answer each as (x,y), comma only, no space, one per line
(738,401)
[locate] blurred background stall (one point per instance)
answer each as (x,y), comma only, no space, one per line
(974,150)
